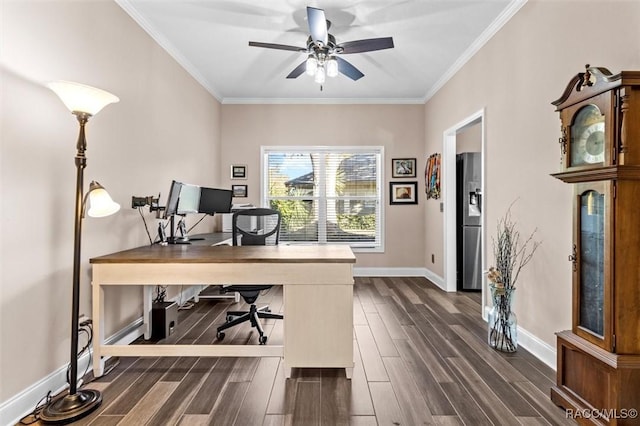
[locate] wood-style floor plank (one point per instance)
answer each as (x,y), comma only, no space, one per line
(361,404)
(495,408)
(385,345)
(386,405)
(228,405)
(432,393)
(187,388)
(371,360)
(394,328)
(412,404)
(254,406)
(335,394)
(307,408)
(149,404)
(420,357)
(212,386)
(273,420)
(359,317)
(363,421)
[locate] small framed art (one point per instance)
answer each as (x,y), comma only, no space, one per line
(403,167)
(239,190)
(403,192)
(238,171)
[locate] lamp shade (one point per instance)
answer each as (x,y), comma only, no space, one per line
(332,67)
(312,65)
(81,98)
(101,202)
(320,75)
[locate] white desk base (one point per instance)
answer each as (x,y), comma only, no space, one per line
(318,307)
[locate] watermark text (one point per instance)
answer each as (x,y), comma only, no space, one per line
(585,413)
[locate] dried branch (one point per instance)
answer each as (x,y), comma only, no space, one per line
(511,254)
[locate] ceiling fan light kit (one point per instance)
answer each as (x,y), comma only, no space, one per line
(322,50)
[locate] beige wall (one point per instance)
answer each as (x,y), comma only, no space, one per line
(166,126)
(398,128)
(515,77)
(469,139)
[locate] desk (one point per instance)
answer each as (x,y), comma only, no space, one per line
(318,297)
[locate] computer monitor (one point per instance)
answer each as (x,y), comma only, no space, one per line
(189,199)
(214,200)
(172,201)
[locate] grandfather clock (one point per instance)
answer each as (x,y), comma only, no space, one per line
(598,371)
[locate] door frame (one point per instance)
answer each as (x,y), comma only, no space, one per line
(449,199)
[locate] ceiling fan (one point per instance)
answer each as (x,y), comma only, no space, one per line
(323,52)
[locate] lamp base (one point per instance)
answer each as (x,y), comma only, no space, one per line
(70,408)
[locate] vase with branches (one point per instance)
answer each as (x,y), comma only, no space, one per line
(511,254)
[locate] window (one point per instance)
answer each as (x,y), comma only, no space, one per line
(326,194)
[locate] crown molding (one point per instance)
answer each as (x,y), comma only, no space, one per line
(324,101)
(486,35)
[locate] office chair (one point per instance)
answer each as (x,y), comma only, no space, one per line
(252,227)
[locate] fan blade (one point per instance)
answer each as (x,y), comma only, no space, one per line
(277,46)
(317,25)
(367,45)
(298,71)
(349,70)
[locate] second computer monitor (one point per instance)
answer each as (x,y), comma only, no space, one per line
(214,200)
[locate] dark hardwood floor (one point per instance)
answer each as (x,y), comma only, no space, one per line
(420,358)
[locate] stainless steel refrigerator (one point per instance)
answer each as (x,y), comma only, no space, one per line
(469,224)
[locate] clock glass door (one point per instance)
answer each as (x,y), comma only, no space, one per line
(591,315)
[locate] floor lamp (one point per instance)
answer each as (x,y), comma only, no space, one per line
(83,102)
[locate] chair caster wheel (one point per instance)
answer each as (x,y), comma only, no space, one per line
(262,340)
(220,335)
(267,310)
(229,318)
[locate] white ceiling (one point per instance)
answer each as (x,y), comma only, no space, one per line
(209,38)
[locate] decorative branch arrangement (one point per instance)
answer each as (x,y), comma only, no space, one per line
(511,255)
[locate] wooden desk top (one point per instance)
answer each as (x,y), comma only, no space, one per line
(185,253)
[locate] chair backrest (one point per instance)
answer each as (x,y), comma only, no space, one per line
(256,227)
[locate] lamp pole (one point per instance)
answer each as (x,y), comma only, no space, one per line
(81,163)
(83,101)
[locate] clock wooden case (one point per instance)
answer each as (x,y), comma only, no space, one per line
(599,358)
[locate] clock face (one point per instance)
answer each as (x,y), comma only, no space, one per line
(591,143)
(587,137)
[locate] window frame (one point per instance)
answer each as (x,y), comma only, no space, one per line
(375,247)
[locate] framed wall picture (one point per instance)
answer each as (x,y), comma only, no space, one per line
(238,171)
(403,192)
(239,190)
(403,167)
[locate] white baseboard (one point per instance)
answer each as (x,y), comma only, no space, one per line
(18,406)
(541,350)
(435,278)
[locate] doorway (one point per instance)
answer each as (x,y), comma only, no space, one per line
(453,139)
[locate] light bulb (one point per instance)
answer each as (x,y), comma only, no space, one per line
(320,75)
(312,65)
(332,67)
